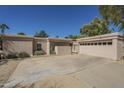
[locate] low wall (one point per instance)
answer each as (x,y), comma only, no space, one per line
(63,50)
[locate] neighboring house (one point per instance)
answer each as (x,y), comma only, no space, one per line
(108,46)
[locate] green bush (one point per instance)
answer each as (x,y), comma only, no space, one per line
(23,55)
(52,52)
(12,55)
(39,52)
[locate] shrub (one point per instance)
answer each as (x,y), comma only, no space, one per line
(23,55)
(39,52)
(52,52)
(2,55)
(12,55)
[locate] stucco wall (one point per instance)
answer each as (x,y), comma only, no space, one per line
(60,43)
(44,45)
(11,46)
(120,52)
(63,50)
(107,51)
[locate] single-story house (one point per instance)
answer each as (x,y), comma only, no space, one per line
(19,43)
(109,45)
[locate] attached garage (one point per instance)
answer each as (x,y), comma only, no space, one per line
(98,48)
(108,46)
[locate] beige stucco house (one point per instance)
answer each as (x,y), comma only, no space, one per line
(108,46)
(19,43)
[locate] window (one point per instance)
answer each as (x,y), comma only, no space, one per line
(109,43)
(82,44)
(95,43)
(85,44)
(91,43)
(99,43)
(88,43)
(39,46)
(1,45)
(104,43)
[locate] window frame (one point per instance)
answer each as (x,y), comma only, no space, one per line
(109,43)
(38,46)
(104,43)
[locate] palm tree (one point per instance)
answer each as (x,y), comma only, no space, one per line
(3,27)
(114,14)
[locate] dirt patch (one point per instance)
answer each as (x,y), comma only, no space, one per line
(63,81)
(6,70)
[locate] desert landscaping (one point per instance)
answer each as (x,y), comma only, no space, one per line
(77,71)
(6,69)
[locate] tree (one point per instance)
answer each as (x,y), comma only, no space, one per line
(41,33)
(72,37)
(84,31)
(21,33)
(3,27)
(96,27)
(114,14)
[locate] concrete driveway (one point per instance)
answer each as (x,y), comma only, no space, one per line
(90,71)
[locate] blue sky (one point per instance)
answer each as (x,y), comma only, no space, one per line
(55,20)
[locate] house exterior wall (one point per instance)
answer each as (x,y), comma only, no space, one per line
(60,48)
(113,51)
(63,50)
(75,47)
(60,43)
(13,45)
(48,47)
(43,43)
(107,51)
(120,49)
